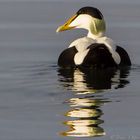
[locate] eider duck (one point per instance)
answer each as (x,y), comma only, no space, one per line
(94,50)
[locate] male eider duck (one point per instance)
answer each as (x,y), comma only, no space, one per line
(94,50)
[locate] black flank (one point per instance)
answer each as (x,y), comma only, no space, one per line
(125,60)
(66,58)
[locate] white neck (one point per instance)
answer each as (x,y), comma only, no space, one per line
(91,35)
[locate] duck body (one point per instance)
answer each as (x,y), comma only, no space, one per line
(94,50)
(93,53)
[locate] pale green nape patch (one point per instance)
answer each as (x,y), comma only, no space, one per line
(97,26)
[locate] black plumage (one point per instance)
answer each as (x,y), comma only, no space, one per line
(99,56)
(125,60)
(66,58)
(92,11)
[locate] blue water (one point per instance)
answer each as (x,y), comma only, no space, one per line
(40,101)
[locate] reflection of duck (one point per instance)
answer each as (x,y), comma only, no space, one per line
(87,114)
(94,50)
(86,110)
(93,80)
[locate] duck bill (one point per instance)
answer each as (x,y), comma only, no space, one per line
(67,26)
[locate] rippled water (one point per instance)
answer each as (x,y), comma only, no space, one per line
(40,101)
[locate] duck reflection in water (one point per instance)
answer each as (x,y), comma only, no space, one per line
(85,107)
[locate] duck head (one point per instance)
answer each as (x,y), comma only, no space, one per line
(88,18)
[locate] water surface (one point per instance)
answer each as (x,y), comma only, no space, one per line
(40,101)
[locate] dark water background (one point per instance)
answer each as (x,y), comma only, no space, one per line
(39,101)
